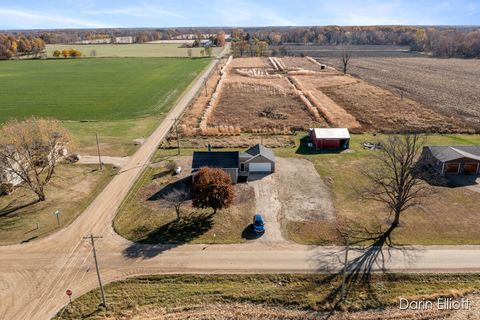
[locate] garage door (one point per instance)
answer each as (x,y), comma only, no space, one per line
(471,168)
(260,167)
(453,167)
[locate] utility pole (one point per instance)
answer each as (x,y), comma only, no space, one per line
(345,265)
(92,239)
(98,151)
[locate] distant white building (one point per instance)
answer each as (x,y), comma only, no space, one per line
(127,40)
(95,41)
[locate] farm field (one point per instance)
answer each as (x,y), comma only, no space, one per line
(279,296)
(70,192)
(144,50)
(333,51)
(446,86)
(120,99)
(275,96)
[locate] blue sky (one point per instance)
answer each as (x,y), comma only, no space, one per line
(44,14)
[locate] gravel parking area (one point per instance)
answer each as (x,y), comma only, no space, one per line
(302,192)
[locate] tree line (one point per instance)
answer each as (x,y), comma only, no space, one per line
(11,46)
(253,41)
(439,41)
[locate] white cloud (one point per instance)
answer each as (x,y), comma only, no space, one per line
(244,13)
(137,11)
(35,19)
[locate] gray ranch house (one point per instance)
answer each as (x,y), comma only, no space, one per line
(452,160)
(256,160)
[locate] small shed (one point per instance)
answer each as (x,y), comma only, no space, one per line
(330,138)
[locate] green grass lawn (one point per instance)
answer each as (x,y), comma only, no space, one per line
(145,50)
(431,223)
(142,220)
(448,217)
(285,291)
(122,98)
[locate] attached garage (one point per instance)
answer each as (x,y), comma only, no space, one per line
(260,167)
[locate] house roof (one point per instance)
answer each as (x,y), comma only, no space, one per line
(262,150)
(449,153)
(221,159)
(331,133)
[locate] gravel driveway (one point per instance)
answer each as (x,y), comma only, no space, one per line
(294,192)
(302,192)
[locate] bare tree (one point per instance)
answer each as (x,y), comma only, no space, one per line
(395,180)
(30,150)
(345,56)
(176,198)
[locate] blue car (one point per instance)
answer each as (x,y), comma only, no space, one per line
(258,224)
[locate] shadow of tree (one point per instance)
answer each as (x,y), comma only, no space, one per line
(9,208)
(369,259)
(183,184)
(170,235)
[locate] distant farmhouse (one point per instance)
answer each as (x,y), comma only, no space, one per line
(256,160)
(124,40)
(455,160)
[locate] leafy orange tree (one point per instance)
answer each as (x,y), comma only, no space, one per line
(212,188)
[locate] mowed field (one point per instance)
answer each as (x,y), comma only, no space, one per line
(120,99)
(144,50)
(447,86)
(269,297)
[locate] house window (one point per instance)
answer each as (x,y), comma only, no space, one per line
(242,167)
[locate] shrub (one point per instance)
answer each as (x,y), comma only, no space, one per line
(6,188)
(171,165)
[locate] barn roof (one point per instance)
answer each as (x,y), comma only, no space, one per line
(221,159)
(331,133)
(262,150)
(449,153)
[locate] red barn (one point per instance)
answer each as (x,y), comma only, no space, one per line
(330,138)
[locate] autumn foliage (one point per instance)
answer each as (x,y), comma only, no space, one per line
(11,46)
(212,188)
